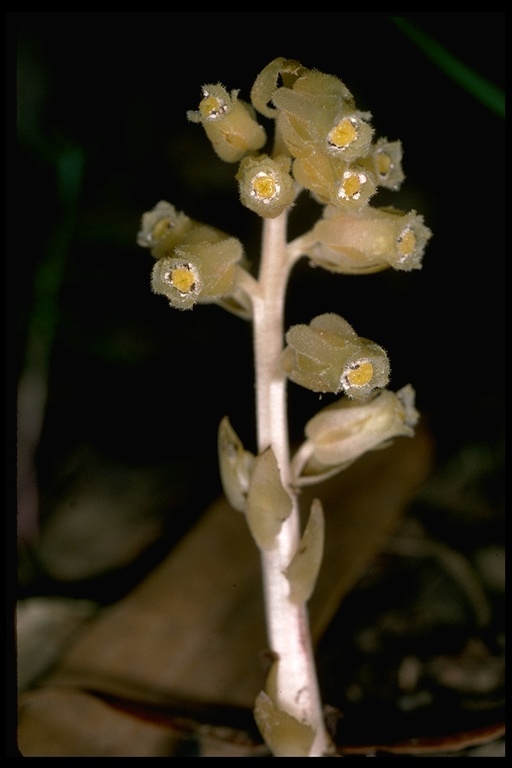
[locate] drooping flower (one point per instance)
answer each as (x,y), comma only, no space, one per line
(343,431)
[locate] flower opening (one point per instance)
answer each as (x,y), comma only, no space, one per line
(163,228)
(386,159)
(184,278)
(359,374)
(265,184)
(228,122)
(352,185)
(265,187)
(343,134)
(212,106)
(350,136)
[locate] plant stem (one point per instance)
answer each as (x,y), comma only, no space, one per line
(287,623)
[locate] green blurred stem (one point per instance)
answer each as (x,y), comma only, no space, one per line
(43,321)
(476,85)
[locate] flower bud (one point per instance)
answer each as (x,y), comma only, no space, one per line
(265,85)
(266,186)
(368,241)
(342,432)
(327,90)
(163,228)
(328,356)
(229,123)
(201,269)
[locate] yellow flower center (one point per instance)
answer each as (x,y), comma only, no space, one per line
(351,185)
(406,243)
(264,186)
(161,228)
(183,279)
(383,164)
(211,106)
(361,374)
(343,134)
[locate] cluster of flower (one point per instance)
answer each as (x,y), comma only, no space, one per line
(325,145)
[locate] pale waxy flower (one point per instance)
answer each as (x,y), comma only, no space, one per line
(343,431)
(162,228)
(328,356)
(385,160)
(332,181)
(229,123)
(265,184)
(195,262)
(202,268)
(307,123)
(368,241)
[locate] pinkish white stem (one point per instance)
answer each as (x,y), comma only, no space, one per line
(287,623)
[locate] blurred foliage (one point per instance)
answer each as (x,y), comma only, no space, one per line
(482,89)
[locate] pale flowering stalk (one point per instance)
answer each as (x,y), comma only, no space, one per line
(324,145)
(296,685)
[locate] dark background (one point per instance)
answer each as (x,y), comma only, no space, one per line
(101,135)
